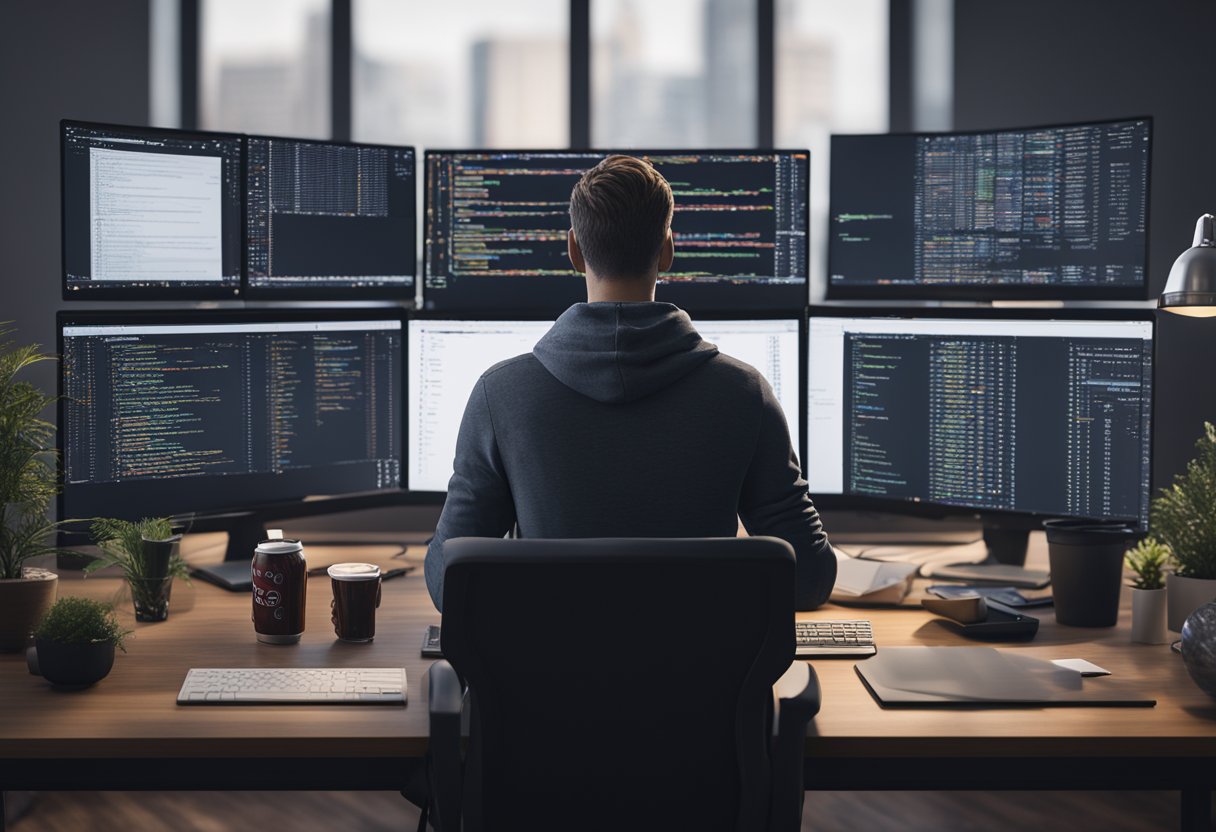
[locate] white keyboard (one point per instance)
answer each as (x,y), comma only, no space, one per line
(845,639)
(288,685)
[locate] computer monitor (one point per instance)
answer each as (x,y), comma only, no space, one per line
(329,219)
(1046,212)
(149,214)
(206,413)
(496,224)
(446,356)
(1031,413)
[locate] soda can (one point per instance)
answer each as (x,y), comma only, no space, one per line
(280,584)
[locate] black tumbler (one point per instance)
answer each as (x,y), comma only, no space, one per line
(1086,559)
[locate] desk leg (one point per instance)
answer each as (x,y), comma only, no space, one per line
(1196,810)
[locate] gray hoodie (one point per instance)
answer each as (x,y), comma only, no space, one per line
(623,422)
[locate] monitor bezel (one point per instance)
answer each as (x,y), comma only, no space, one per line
(534,311)
(894,292)
(405,292)
(162,293)
(929,509)
(272,507)
(439,497)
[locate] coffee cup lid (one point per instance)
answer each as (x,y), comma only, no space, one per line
(354,571)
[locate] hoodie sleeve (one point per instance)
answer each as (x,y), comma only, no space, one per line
(775,502)
(479,502)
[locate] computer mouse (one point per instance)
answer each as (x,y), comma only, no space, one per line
(968,609)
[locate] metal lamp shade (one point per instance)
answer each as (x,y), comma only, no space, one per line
(1191,287)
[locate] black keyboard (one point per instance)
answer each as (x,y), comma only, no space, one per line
(846,639)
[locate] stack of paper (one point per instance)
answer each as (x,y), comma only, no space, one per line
(860,581)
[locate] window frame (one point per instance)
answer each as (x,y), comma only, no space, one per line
(341,82)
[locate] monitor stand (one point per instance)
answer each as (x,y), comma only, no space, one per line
(245,532)
(879,529)
(1007,541)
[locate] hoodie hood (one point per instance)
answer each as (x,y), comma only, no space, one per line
(621,352)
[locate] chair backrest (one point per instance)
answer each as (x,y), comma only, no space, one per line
(619,683)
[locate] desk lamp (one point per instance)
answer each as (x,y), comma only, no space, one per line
(1191,286)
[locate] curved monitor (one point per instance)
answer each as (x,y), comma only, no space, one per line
(149,214)
(1046,212)
(1020,413)
(496,224)
(184,413)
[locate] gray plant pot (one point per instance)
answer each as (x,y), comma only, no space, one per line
(1148,616)
(1185,595)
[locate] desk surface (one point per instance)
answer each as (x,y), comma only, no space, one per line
(132,714)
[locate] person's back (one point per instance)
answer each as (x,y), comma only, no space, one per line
(623,422)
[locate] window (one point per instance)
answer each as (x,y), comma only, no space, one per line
(677,73)
(831,77)
(265,67)
(464,73)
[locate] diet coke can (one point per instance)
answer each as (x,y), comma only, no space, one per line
(280,583)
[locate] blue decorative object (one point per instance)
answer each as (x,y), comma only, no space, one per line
(1199,647)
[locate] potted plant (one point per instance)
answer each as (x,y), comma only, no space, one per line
(1148,560)
(28,483)
(74,644)
(147,552)
(1184,519)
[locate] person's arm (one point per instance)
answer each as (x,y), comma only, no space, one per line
(479,501)
(775,502)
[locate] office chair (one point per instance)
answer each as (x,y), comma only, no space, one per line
(619,684)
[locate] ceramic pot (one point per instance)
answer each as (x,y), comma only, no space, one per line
(1148,616)
(1199,647)
(74,665)
(1185,596)
(23,603)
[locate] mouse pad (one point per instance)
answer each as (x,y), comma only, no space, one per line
(945,676)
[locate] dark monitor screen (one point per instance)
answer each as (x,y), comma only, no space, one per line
(496,224)
(329,220)
(150,213)
(1051,212)
(1026,415)
(447,356)
(201,413)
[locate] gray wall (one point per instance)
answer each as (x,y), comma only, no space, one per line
(58,59)
(1051,61)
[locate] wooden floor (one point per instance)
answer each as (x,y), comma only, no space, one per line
(376,811)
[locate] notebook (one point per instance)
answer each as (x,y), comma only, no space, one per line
(984,676)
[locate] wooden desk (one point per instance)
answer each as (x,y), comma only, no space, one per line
(855,744)
(128,733)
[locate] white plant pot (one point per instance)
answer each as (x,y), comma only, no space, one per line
(1185,596)
(1148,616)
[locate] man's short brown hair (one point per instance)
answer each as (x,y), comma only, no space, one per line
(620,211)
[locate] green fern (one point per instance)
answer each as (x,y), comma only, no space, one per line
(28,479)
(1184,516)
(122,544)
